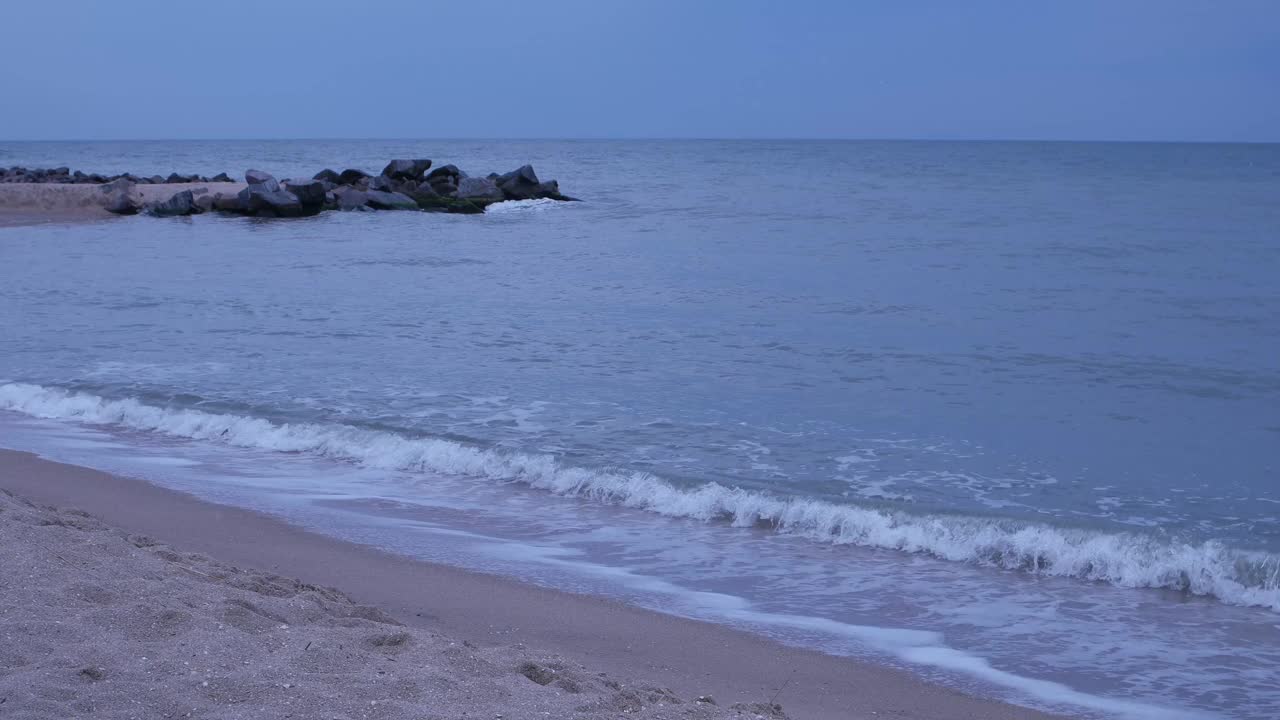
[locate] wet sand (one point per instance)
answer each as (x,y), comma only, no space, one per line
(395,638)
(43,203)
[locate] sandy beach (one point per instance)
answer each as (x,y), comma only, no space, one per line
(42,203)
(123,599)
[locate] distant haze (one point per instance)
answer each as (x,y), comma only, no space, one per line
(1081,70)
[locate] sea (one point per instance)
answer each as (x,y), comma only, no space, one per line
(1002,414)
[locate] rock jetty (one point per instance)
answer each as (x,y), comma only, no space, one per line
(64,176)
(410,184)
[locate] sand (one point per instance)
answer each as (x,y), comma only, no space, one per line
(136,622)
(40,203)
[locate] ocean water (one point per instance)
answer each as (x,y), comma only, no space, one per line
(1004,414)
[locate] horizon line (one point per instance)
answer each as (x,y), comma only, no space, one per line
(639,138)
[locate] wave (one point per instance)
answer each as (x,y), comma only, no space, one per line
(515,206)
(1134,560)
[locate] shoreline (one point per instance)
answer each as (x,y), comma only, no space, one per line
(693,658)
(403,184)
(27,204)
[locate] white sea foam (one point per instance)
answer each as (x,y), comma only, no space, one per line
(918,647)
(1125,559)
(523,206)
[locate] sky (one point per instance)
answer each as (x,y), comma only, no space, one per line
(923,69)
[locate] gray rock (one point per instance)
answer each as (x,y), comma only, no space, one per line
(398,169)
(259,199)
(423,191)
(380,200)
(349,198)
(114,185)
(351,176)
(221,177)
(182,203)
(257,177)
(450,171)
(551,189)
(480,188)
(524,173)
(122,198)
(309,192)
(445,189)
(204,202)
(327,175)
(519,184)
(383,183)
(406,169)
(225,202)
(156,180)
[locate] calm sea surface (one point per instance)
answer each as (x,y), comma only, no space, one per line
(1006,414)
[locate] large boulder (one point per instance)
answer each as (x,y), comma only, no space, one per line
(327,175)
(478,188)
(443,204)
(406,169)
(258,177)
(182,203)
(226,202)
(551,189)
(221,177)
(445,189)
(519,184)
(380,200)
(351,176)
(349,198)
(524,173)
(309,192)
(121,197)
(259,199)
(450,171)
(383,183)
(422,188)
(115,185)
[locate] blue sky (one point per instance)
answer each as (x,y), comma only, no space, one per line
(1081,70)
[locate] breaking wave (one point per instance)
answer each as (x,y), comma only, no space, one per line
(1207,568)
(523,206)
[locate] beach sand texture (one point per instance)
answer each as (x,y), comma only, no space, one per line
(36,203)
(100,623)
(117,623)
